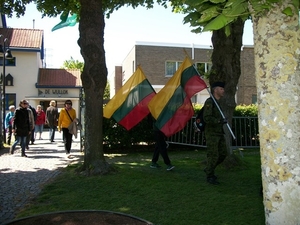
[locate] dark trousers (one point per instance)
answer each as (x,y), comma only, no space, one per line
(216,152)
(9,135)
(51,133)
(67,139)
(30,137)
(22,140)
(160,148)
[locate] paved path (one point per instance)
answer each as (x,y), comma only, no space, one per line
(21,178)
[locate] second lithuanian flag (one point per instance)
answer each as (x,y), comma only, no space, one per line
(171,107)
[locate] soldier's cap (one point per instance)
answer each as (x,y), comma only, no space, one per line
(218,84)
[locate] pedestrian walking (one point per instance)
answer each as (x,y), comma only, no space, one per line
(160,149)
(21,127)
(214,133)
(39,122)
(9,118)
(51,119)
(32,118)
(67,116)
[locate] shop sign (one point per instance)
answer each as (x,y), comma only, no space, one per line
(53,92)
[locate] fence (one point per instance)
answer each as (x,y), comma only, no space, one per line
(244,128)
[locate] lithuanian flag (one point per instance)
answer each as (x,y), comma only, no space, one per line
(130,104)
(171,107)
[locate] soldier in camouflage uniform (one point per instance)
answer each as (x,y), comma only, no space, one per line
(214,134)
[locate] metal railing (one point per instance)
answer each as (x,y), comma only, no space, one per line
(244,128)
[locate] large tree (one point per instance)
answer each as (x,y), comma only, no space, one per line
(226,67)
(94,75)
(276,48)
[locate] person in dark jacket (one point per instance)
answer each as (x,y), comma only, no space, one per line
(214,133)
(21,127)
(31,137)
(51,119)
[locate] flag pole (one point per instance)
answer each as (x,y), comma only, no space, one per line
(222,114)
(213,98)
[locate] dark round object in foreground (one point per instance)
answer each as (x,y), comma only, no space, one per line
(97,217)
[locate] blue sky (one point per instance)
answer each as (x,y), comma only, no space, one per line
(125,27)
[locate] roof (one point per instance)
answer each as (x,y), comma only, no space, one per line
(169,44)
(23,38)
(59,78)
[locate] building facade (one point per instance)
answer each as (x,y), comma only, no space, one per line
(159,62)
(25,77)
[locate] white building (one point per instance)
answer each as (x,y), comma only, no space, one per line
(24,76)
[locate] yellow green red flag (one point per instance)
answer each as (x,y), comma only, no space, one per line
(130,104)
(171,107)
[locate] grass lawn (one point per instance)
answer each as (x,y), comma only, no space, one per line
(178,197)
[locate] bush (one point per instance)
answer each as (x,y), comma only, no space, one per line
(246,110)
(115,136)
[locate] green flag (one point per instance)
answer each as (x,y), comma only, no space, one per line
(66,21)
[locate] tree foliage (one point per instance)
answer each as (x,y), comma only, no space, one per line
(213,15)
(76,64)
(53,8)
(73,64)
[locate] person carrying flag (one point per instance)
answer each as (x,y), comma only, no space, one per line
(160,148)
(214,133)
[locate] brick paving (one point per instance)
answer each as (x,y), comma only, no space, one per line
(21,178)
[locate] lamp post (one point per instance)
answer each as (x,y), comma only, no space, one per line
(6,54)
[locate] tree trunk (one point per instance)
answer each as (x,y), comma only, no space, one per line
(94,77)
(276,38)
(226,66)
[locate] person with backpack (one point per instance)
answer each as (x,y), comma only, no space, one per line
(214,134)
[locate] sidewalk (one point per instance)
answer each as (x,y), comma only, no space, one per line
(21,178)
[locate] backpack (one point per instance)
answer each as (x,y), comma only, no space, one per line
(34,112)
(200,126)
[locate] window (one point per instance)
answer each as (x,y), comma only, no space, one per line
(254,99)
(10,99)
(203,68)
(8,62)
(171,67)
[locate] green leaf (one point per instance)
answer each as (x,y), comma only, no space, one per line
(236,8)
(209,14)
(227,30)
(288,11)
(218,23)
(217,1)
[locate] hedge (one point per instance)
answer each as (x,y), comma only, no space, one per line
(115,136)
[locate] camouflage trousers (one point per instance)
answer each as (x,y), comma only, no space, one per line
(216,152)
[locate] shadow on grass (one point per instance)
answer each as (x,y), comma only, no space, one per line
(181,196)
